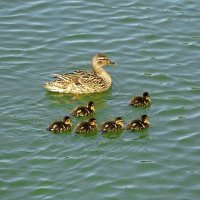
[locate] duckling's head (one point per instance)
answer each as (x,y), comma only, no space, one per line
(67,120)
(92,122)
(119,121)
(146,96)
(101,60)
(91,106)
(145,119)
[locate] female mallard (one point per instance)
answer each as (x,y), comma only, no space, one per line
(80,82)
(115,125)
(137,124)
(84,110)
(86,127)
(141,101)
(61,126)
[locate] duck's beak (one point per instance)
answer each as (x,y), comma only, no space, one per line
(112,63)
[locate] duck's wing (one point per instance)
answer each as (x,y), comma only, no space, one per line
(76,77)
(78,82)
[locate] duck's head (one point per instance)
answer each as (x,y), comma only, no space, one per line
(145,119)
(119,121)
(146,96)
(91,106)
(92,122)
(67,120)
(101,60)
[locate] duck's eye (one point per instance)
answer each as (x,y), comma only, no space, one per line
(100,62)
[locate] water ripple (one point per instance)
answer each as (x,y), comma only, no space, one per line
(156,46)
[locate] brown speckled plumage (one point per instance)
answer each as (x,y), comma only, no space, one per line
(83,82)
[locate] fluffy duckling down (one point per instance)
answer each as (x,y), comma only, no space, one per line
(115,125)
(86,127)
(84,110)
(139,124)
(61,126)
(141,101)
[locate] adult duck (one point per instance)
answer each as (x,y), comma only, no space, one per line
(84,82)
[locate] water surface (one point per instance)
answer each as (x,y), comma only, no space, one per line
(156,45)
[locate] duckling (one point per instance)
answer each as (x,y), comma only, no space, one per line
(141,101)
(137,124)
(84,110)
(61,126)
(86,127)
(115,125)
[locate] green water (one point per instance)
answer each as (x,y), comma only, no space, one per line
(156,45)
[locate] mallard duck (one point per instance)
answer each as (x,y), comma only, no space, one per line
(139,124)
(61,126)
(115,125)
(83,82)
(141,101)
(84,110)
(86,127)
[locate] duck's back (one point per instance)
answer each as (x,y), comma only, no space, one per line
(79,82)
